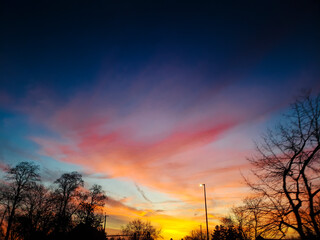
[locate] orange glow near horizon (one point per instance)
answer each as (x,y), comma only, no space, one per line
(175,227)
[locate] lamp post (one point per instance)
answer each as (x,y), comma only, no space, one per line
(205,204)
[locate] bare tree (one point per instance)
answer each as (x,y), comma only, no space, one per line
(243,222)
(30,211)
(66,196)
(287,167)
(252,218)
(195,234)
(139,230)
(36,213)
(92,202)
(19,180)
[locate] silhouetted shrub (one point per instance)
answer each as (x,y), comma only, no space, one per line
(86,232)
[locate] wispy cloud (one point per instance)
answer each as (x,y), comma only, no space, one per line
(168,140)
(143,142)
(142,193)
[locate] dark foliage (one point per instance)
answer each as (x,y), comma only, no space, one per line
(223,232)
(85,232)
(30,211)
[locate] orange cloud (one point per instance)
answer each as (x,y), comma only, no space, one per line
(160,148)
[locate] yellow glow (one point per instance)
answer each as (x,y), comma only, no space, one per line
(175,227)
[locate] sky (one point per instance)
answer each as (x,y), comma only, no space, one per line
(151,98)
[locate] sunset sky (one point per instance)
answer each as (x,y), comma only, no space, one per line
(149,99)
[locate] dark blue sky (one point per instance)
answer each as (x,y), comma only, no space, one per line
(64,45)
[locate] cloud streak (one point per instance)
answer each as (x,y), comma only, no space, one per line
(168,140)
(142,193)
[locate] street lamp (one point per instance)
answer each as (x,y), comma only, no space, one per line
(205,204)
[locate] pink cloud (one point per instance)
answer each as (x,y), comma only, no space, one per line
(148,144)
(158,144)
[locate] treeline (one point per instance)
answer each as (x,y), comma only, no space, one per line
(140,230)
(65,210)
(285,181)
(227,230)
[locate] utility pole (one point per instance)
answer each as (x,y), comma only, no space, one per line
(205,204)
(105,222)
(200,231)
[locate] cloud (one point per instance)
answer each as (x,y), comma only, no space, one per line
(166,139)
(10,150)
(144,145)
(146,163)
(154,141)
(118,205)
(142,193)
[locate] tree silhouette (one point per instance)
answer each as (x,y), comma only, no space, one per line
(20,179)
(139,230)
(65,197)
(226,232)
(195,234)
(287,167)
(250,217)
(92,201)
(36,213)
(31,211)
(86,232)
